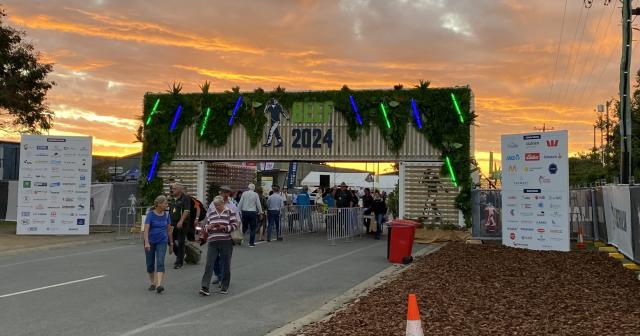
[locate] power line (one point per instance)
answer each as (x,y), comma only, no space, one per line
(573,67)
(555,67)
(597,58)
(575,36)
(588,56)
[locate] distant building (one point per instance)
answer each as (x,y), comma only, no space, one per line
(9,160)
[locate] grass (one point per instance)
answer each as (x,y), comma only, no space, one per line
(7,227)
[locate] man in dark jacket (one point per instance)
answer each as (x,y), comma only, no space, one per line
(180,208)
(343,197)
(367,204)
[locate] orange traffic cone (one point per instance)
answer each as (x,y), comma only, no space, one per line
(414,325)
(580,244)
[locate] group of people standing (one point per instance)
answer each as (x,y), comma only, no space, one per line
(170,223)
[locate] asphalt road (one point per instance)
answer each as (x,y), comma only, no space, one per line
(102,289)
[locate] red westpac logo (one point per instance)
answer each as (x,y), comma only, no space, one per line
(552,143)
(532,157)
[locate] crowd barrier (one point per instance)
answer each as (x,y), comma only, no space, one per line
(609,213)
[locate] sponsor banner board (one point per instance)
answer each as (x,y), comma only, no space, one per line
(535,191)
(54,172)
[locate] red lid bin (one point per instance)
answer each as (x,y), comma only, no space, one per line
(400,243)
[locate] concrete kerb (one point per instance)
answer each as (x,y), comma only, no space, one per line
(341,302)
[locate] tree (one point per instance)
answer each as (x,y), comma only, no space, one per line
(23,84)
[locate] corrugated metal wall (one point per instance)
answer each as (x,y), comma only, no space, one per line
(369,147)
(426,195)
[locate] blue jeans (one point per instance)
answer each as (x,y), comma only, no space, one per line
(250,221)
(218,269)
(380,221)
(273,217)
(305,218)
(155,257)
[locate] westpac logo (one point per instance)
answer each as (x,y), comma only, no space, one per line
(515,157)
(532,157)
(553,143)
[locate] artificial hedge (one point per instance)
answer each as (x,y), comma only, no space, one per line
(441,125)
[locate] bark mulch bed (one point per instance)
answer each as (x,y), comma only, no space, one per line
(492,290)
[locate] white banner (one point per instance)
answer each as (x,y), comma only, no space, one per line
(535,191)
(617,214)
(55,183)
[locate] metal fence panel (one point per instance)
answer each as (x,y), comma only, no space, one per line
(486,214)
(599,216)
(581,213)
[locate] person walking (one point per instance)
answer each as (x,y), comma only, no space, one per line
(179,221)
(262,218)
(157,233)
(343,196)
(221,221)
(367,204)
(250,208)
(303,201)
(380,210)
(229,203)
(275,206)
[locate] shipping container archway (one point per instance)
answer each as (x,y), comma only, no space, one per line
(427,130)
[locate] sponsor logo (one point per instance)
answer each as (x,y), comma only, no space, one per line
(82,185)
(514,157)
(526,237)
(526,206)
(526,222)
(68,199)
(518,244)
(24,222)
(27,162)
(26,147)
(69,155)
(68,207)
(69,184)
(54,184)
(513,169)
(53,213)
(69,148)
(53,207)
(541,239)
(512,145)
(56,140)
(83,178)
(539,197)
(556,156)
(557,239)
(526,229)
(512,236)
(540,214)
(526,198)
(555,198)
(532,137)
(552,143)
(67,222)
(42,147)
(80,207)
(540,230)
(68,170)
(555,214)
(40,214)
(532,143)
(38,221)
(55,169)
(56,162)
(554,206)
(82,199)
(543,180)
(555,231)
(532,191)
(56,154)
(25,214)
(511,228)
(532,157)
(512,197)
(42,155)
(70,162)
(33,228)
(39,184)
(73,229)
(82,192)
(531,169)
(41,162)
(540,205)
(26,184)
(83,170)
(526,214)
(520,183)
(541,222)
(80,221)
(511,205)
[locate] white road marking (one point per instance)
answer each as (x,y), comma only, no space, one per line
(52,286)
(165,321)
(67,255)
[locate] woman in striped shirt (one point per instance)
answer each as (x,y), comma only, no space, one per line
(221,221)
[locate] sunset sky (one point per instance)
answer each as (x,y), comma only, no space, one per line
(108,53)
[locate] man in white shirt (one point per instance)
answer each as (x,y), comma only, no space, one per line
(250,207)
(275,204)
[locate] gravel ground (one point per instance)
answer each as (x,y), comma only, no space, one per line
(492,290)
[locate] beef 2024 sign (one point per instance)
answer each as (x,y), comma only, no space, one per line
(535,191)
(54,194)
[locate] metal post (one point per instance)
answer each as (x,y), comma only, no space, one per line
(625,101)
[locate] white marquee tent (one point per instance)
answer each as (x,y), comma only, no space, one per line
(354,180)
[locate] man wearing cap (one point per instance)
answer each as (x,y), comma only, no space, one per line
(180,206)
(250,207)
(343,196)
